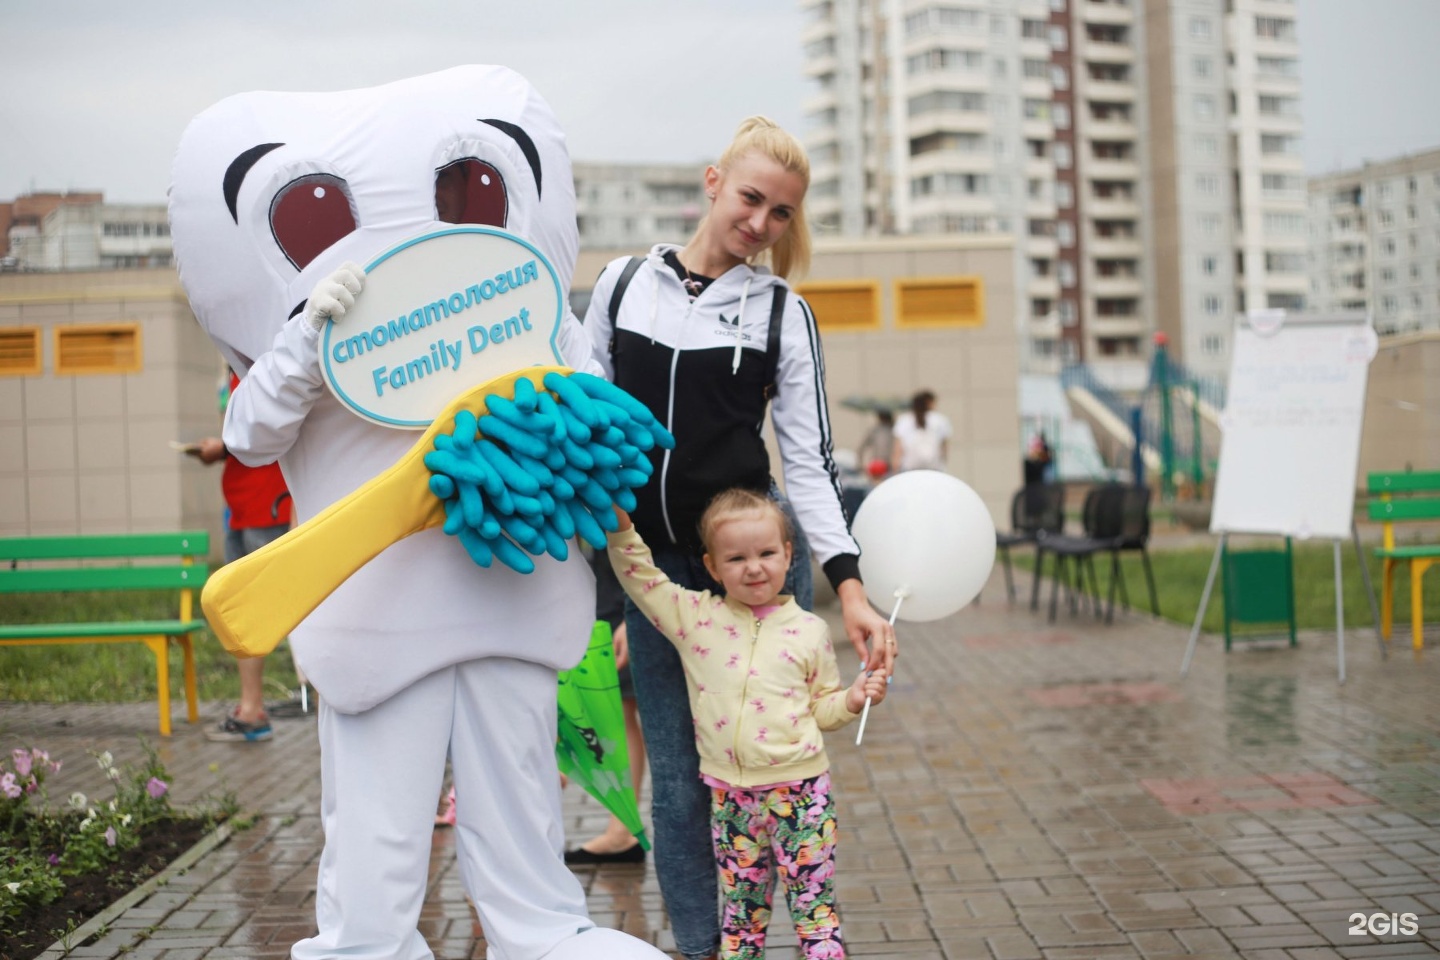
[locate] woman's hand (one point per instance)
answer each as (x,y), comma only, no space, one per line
(862,623)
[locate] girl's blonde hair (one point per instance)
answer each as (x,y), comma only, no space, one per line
(790,255)
(737,501)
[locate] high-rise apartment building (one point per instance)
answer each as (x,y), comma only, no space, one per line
(1375,242)
(1144,153)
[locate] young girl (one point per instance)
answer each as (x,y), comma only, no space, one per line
(763,683)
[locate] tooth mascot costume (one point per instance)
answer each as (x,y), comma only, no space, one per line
(420,653)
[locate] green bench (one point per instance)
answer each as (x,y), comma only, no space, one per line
(1401,497)
(40,565)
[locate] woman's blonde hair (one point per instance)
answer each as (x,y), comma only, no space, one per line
(735,502)
(790,255)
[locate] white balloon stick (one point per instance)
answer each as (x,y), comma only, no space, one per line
(900,594)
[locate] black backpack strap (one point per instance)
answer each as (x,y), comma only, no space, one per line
(618,294)
(772,341)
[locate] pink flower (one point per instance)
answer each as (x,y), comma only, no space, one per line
(110,836)
(22,762)
(157,788)
(9,787)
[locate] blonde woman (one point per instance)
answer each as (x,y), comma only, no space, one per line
(707,334)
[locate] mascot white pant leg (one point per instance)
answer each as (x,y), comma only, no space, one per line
(381,771)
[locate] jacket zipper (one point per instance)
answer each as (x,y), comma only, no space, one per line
(670,421)
(744,694)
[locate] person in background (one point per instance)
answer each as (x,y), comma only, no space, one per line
(763,684)
(878,448)
(257,508)
(922,435)
(690,335)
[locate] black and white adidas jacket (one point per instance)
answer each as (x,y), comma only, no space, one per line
(700,367)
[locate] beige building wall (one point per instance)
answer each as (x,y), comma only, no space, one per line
(1402,406)
(90,453)
(973,370)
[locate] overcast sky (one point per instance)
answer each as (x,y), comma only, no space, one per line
(96,94)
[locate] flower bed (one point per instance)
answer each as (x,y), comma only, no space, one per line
(60,865)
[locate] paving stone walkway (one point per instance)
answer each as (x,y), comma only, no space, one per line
(1030,791)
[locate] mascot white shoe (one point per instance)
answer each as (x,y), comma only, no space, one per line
(420,654)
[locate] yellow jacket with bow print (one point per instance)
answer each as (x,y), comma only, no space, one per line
(761,690)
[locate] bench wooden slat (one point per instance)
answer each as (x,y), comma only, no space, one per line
(1406,508)
(54,632)
(159,577)
(184,543)
(1406,482)
(1411,552)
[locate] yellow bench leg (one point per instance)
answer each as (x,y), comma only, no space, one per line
(1387,599)
(192,697)
(159,646)
(1418,566)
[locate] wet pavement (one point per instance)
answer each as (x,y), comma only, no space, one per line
(1029,791)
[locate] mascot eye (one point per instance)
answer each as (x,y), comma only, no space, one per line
(310,214)
(470,191)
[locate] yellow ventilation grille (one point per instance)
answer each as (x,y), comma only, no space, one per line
(98,348)
(940,302)
(843,304)
(20,352)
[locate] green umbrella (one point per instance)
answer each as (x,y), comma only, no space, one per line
(590,748)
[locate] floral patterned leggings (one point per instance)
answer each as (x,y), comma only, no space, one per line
(789,828)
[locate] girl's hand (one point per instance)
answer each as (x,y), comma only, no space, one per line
(869,686)
(623,518)
(620,640)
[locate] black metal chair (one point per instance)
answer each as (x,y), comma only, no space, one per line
(1037,510)
(1074,556)
(1134,534)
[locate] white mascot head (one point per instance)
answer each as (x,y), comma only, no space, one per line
(272,191)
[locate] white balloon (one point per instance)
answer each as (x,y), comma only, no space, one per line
(928,535)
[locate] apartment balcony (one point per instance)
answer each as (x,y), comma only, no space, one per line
(1037,209)
(1096,51)
(1034,48)
(1106,13)
(959,204)
(1048,287)
(1119,91)
(1111,208)
(1035,129)
(952,161)
(818,30)
(1111,129)
(1110,169)
(1113,247)
(947,80)
(1098,286)
(820,66)
(948,121)
(1039,168)
(1131,326)
(824,100)
(1044,328)
(1042,247)
(1286,283)
(1036,88)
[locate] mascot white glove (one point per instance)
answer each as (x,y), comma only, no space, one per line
(334,295)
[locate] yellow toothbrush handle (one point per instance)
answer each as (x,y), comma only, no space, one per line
(254,603)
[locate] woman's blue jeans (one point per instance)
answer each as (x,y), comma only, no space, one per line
(680,801)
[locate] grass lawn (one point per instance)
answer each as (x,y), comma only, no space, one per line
(1180,580)
(117,672)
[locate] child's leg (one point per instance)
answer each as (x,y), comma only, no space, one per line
(804,841)
(742,849)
